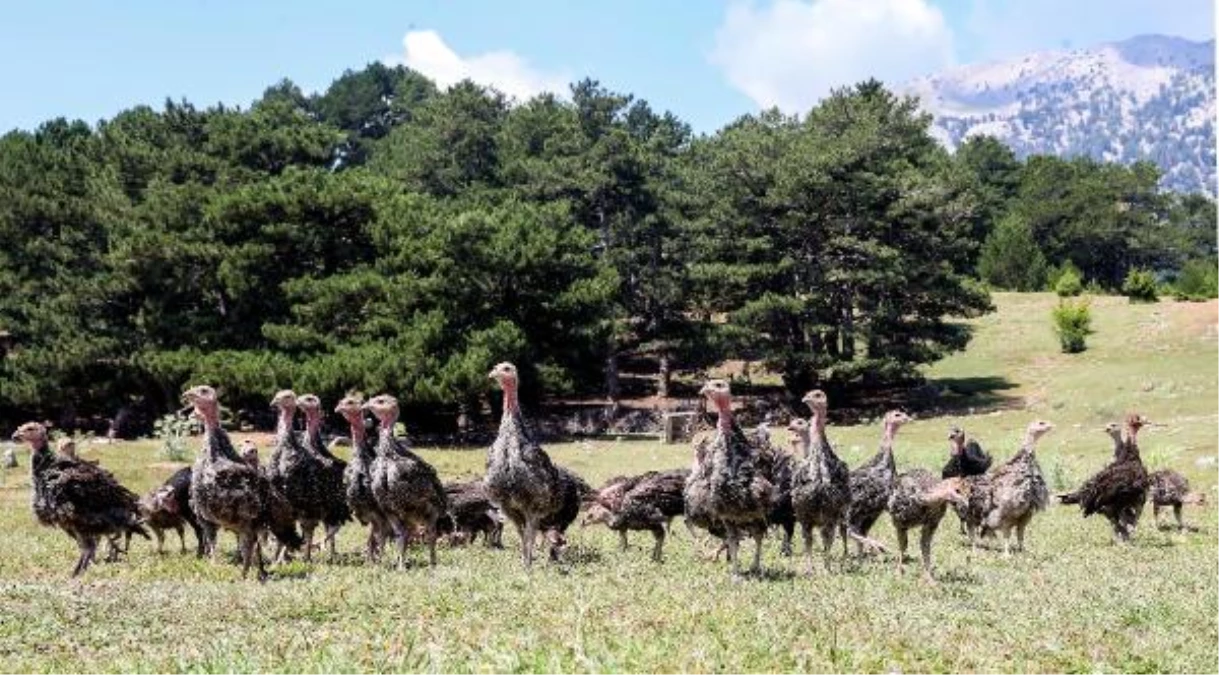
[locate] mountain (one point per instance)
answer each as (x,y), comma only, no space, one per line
(1150,97)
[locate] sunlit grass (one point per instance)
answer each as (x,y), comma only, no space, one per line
(1074,602)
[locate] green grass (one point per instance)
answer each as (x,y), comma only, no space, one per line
(1073,603)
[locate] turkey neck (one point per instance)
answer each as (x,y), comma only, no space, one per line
(313,427)
(40,457)
(359,438)
(511,421)
(385,435)
(886,443)
(724,425)
(817,424)
(216,443)
(283,429)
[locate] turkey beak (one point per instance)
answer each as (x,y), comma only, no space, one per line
(16,435)
(704,391)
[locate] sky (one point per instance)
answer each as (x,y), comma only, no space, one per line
(709,61)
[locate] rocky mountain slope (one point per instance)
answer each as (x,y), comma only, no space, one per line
(1150,97)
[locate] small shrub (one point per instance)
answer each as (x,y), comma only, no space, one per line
(173,432)
(1069,284)
(1073,324)
(1140,286)
(1199,280)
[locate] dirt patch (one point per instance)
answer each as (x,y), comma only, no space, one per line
(1198,318)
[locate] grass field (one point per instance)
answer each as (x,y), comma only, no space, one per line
(1074,602)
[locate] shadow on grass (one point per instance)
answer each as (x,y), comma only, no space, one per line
(950,395)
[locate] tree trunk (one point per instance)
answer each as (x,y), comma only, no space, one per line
(848,327)
(463,419)
(666,373)
(613,387)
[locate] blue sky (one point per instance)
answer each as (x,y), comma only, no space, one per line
(708,61)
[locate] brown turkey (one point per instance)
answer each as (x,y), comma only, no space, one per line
(821,485)
(1010,496)
(646,502)
(357,480)
(966,458)
(1118,491)
(471,513)
(1169,488)
(405,486)
(775,464)
(520,476)
(573,492)
(872,481)
(167,506)
(227,492)
(919,500)
(80,498)
(296,471)
(329,479)
(731,489)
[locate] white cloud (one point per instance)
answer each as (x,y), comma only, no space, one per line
(427,53)
(791,53)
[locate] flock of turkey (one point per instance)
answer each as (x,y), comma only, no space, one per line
(738,487)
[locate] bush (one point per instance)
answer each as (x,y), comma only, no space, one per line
(173,432)
(1140,286)
(1073,324)
(1069,283)
(1199,280)
(1011,259)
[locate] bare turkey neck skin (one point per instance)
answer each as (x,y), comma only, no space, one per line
(357,431)
(511,404)
(1030,442)
(817,424)
(210,413)
(958,445)
(284,428)
(724,407)
(886,440)
(313,423)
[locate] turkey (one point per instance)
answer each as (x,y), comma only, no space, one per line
(1119,490)
(80,498)
(967,458)
(646,502)
(732,491)
(229,493)
(297,472)
(471,513)
(1014,492)
(1169,488)
(167,507)
(776,465)
(872,481)
(697,511)
(573,492)
(357,480)
(249,455)
(919,499)
(405,486)
(821,482)
(520,476)
(330,491)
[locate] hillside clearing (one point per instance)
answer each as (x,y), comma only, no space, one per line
(1074,602)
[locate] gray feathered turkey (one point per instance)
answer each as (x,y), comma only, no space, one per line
(80,498)
(357,478)
(405,486)
(227,492)
(729,488)
(919,500)
(872,481)
(330,490)
(520,476)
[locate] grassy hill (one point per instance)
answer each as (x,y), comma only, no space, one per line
(1073,602)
